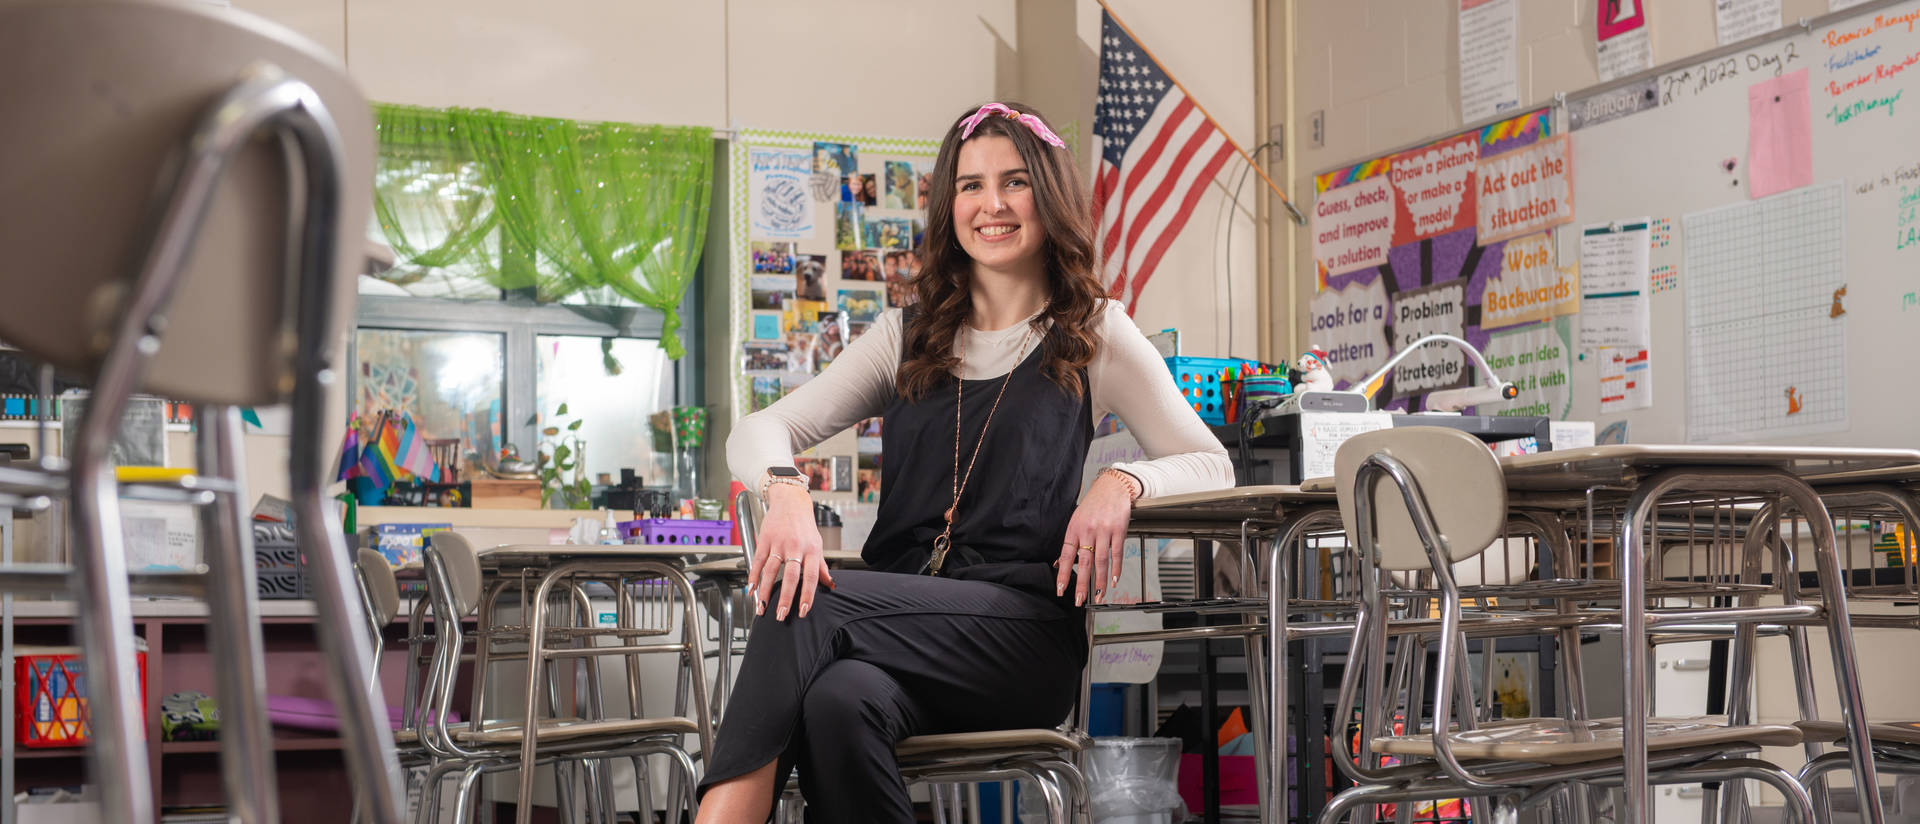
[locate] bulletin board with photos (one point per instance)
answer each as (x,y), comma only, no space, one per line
(823,231)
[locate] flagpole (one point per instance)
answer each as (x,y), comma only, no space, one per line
(1284,200)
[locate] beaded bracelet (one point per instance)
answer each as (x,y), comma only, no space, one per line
(1132,483)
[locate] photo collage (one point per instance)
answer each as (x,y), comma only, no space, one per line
(833,244)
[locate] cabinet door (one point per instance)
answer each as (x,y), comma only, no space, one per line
(1679,689)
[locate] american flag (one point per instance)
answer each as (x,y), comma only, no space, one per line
(1159,153)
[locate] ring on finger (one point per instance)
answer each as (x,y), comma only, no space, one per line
(793,560)
(776,559)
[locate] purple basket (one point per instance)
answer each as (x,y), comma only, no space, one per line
(678,531)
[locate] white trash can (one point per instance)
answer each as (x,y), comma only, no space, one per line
(1131,780)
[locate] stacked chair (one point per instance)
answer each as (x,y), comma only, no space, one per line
(470,750)
(186,221)
(1417,502)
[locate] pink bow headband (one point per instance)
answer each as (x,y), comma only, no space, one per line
(1039,128)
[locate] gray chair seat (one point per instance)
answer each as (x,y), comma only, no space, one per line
(1559,741)
(1890,732)
(920,746)
(574,729)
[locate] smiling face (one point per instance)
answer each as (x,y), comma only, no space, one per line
(994,214)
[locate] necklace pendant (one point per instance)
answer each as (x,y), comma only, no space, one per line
(940,547)
(949,516)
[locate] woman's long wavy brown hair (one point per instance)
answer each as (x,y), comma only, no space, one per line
(943,283)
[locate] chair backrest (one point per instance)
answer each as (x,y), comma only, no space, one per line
(383,591)
(102,99)
(455,555)
(1458,476)
(748,520)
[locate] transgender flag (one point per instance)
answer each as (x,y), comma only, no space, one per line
(1159,153)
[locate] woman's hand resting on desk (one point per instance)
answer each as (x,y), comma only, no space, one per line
(788,553)
(1096,539)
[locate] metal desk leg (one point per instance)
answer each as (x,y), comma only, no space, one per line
(7,811)
(1833,590)
(535,608)
(1274,803)
(1636,802)
(1209,754)
(724,689)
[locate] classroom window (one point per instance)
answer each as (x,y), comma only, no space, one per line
(533,357)
(612,386)
(446,380)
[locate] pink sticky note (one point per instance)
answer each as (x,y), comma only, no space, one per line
(1779,135)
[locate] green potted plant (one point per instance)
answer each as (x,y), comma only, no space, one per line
(561,458)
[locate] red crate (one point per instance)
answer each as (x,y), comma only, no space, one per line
(51,707)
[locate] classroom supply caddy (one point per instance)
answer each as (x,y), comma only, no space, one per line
(1212,385)
(677,531)
(51,704)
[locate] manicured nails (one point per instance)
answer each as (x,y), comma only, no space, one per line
(804,608)
(759,607)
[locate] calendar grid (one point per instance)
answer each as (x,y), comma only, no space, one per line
(1764,356)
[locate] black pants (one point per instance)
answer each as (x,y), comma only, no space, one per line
(883,657)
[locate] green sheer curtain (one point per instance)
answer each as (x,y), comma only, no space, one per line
(430,197)
(566,207)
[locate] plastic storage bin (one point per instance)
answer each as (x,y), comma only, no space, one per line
(51,707)
(1199,382)
(676,531)
(278,572)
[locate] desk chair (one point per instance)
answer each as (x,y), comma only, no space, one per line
(1426,498)
(455,583)
(379,596)
(1896,747)
(1048,757)
(186,197)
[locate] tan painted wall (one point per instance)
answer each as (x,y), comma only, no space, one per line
(1386,72)
(859,66)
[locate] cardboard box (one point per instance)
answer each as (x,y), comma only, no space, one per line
(496,493)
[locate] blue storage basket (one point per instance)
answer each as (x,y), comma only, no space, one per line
(1199,382)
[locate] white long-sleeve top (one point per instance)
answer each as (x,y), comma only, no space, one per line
(1127,375)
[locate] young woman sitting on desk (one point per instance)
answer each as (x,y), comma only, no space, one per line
(970,618)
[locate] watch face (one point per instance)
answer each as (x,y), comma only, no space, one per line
(783,471)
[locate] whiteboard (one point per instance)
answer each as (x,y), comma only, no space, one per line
(1671,160)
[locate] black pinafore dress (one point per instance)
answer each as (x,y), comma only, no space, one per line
(892,652)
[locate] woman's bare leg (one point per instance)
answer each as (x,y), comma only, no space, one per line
(745,799)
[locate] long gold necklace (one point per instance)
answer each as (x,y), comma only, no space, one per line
(944,542)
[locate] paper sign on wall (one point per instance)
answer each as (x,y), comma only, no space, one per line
(777,181)
(1489,58)
(1440,309)
(1529,287)
(1537,359)
(1136,663)
(1613,283)
(1353,226)
(1624,47)
(1351,325)
(1435,186)
(1322,433)
(1737,20)
(1626,379)
(1779,135)
(1525,190)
